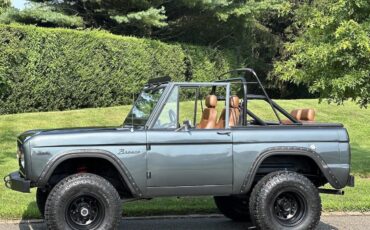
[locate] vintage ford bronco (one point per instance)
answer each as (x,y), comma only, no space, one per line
(263,165)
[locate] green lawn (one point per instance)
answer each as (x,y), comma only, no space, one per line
(18,205)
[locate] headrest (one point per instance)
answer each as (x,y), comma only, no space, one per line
(304,114)
(296,113)
(211,101)
(234,101)
(308,115)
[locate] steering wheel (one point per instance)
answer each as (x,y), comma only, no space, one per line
(172,116)
(172,123)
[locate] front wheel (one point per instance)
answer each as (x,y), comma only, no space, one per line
(235,208)
(285,200)
(83,201)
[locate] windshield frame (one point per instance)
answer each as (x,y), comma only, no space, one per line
(161,103)
(129,124)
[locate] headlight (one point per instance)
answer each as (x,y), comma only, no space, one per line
(20,157)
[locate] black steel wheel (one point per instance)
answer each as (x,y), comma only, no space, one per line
(235,208)
(83,201)
(289,208)
(285,200)
(85,211)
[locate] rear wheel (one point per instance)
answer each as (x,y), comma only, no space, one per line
(285,200)
(235,208)
(83,201)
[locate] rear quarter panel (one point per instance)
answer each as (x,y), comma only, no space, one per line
(330,143)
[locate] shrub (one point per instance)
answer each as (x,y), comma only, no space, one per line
(43,69)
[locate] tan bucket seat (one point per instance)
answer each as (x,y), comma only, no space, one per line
(209,115)
(234,114)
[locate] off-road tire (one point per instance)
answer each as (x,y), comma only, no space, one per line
(235,208)
(268,207)
(83,194)
(41,197)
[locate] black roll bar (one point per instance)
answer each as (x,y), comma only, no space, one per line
(245,83)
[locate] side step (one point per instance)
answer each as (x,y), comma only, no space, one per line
(331,191)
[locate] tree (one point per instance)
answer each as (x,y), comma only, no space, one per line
(39,14)
(4,4)
(134,17)
(331,53)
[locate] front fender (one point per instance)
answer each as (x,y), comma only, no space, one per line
(89,153)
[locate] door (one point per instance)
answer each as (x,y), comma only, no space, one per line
(188,161)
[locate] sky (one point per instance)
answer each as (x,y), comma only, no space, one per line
(19,3)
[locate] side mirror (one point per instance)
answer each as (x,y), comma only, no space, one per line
(186,125)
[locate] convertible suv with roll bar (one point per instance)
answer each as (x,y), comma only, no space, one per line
(189,139)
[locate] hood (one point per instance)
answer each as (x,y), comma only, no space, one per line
(23,137)
(88,136)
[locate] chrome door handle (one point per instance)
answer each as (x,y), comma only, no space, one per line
(224,133)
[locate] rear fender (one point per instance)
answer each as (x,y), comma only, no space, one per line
(298,151)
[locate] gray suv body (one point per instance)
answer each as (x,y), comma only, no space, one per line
(152,155)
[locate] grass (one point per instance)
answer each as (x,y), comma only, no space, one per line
(18,205)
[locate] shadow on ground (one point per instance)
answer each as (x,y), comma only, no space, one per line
(137,223)
(31,212)
(176,224)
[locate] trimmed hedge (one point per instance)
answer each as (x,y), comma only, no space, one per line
(43,69)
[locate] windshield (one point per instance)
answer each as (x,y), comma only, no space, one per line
(143,107)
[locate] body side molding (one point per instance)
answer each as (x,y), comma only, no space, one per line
(298,151)
(89,153)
